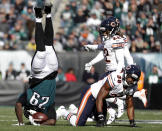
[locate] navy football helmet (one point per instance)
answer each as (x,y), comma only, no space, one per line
(134,72)
(109,27)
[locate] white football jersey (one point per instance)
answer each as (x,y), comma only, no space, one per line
(114,52)
(114,81)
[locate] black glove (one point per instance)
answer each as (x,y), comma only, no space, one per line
(132,123)
(100,121)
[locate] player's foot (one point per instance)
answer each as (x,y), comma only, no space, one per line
(73,109)
(60,112)
(38,12)
(112,113)
(143,97)
(47,8)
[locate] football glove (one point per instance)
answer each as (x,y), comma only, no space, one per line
(32,121)
(90,47)
(88,66)
(31,111)
(101,120)
(18,124)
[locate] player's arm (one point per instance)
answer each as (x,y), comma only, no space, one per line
(19,113)
(94,47)
(119,53)
(97,59)
(19,108)
(104,91)
(130,110)
(127,55)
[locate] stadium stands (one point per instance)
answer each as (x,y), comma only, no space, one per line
(140,21)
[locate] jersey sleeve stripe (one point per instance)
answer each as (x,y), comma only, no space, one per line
(110,81)
(117,45)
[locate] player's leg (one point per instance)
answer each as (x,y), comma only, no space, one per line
(51,57)
(38,61)
(85,109)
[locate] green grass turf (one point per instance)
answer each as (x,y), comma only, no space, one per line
(7,118)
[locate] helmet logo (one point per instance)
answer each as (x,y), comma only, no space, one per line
(113,24)
(128,67)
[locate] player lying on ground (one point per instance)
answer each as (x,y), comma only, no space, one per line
(40,96)
(93,97)
(113,50)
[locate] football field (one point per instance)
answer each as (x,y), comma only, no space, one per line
(146,120)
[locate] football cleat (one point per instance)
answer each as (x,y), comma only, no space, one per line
(143,97)
(112,113)
(47,9)
(73,109)
(38,12)
(60,112)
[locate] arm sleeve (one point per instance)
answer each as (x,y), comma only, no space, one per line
(98,58)
(120,59)
(128,56)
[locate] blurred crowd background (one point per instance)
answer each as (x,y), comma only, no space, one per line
(140,20)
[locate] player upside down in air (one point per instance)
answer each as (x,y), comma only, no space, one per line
(40,96)
(93,97)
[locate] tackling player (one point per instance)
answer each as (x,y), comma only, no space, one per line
(114,49)
(40,96)
(112,85)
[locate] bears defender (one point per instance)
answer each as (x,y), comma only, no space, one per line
(40,96)
(114,49)
(93,97)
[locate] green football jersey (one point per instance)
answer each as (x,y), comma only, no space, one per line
(42,95)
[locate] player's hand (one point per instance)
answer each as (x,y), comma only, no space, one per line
(88,67)
(18,124)
(31,111)
(90,47)
(101,120)
(132,123)
(86,47)
(32,121)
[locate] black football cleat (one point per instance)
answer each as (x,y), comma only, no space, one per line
(38,12)
(47,9)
